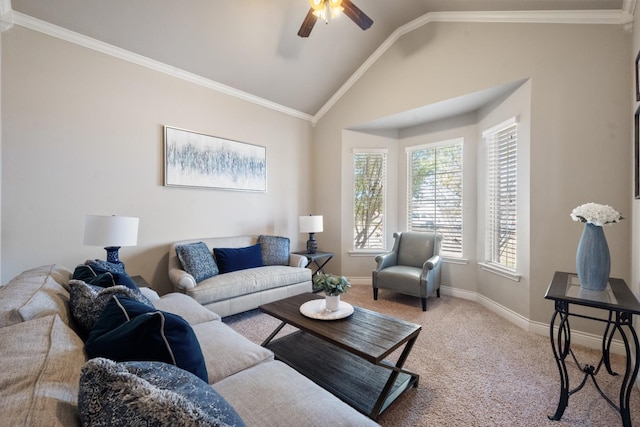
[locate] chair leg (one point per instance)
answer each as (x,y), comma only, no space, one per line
(438,292)
(424,304)
(375,293)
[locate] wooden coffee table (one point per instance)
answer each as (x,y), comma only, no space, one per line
(346,356)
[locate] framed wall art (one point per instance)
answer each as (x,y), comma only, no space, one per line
(637,73)
(193,159)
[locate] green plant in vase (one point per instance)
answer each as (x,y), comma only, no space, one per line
(330,284)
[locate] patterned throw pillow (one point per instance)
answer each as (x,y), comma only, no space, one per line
(197,260)
(129,330)
(275,250)
(87,302)
(149,393)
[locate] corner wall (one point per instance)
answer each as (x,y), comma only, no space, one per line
(580,116)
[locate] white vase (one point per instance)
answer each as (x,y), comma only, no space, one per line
(332,303)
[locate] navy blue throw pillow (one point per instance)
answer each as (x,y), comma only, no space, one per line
(233,259)
(128,330)
(99,276)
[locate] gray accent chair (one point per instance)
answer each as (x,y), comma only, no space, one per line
(412,267)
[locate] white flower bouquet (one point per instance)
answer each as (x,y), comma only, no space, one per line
(596,214)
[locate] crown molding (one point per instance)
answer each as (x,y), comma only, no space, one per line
(608,17)
(111,50)
(622,17)
(6,15)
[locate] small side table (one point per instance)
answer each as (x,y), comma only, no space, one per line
(139,280)
(319,260)
(620,303)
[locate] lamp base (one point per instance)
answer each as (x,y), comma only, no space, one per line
(312,244)
(112,255)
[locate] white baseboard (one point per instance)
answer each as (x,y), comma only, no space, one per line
(577,337)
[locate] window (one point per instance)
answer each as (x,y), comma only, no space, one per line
(501,238)
(370,181)
(435,192)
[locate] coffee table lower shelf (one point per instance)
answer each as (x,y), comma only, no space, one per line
(353,379)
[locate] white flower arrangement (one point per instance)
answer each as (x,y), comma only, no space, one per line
(596,214)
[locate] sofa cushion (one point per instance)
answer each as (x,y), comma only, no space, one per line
(40,363)
(293,400)
(185,307)
(88,301)
(197,260)
(226,351)
(234,259)
(35,293)
(275,250)
(149,393)
(244,282)
(130,330)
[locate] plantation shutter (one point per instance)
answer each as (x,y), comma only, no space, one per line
(435,192)
(501,236)
(370,175)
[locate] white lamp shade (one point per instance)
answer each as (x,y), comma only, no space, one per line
(310,224)
(103,230)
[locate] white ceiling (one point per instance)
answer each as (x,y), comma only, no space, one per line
(252,45)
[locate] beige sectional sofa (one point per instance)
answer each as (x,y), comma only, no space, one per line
(245,289)
(41,358)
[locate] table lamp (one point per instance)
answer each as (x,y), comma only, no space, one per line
(111,232)
(311,224)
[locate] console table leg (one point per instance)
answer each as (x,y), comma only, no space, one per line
(629,376)
(561,347)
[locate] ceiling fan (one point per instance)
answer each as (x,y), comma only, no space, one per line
(323,8)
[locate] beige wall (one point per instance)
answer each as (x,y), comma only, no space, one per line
(579,79)
(83,134)
(634,217)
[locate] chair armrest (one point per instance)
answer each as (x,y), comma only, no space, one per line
(386,260)
(296,260)
(181,279)
(431,263)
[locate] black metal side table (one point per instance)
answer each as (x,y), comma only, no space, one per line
(620,303)
(319,260)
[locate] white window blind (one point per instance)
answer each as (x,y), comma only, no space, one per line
(501,238)
(370,177)
(435,192)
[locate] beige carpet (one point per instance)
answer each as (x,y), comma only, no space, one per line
(477,369)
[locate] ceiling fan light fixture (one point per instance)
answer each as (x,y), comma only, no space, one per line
(317,5)
(336,7)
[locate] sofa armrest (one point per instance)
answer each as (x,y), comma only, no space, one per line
(296,260)
(181,279)
(149,293)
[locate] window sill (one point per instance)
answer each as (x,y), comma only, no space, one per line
(451,260)
(371,254)
(500,271)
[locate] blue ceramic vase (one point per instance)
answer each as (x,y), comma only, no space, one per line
(593,262)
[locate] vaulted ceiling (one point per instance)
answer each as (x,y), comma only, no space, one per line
(252,46)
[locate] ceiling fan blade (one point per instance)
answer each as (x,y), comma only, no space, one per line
(307,24)
(356,15)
